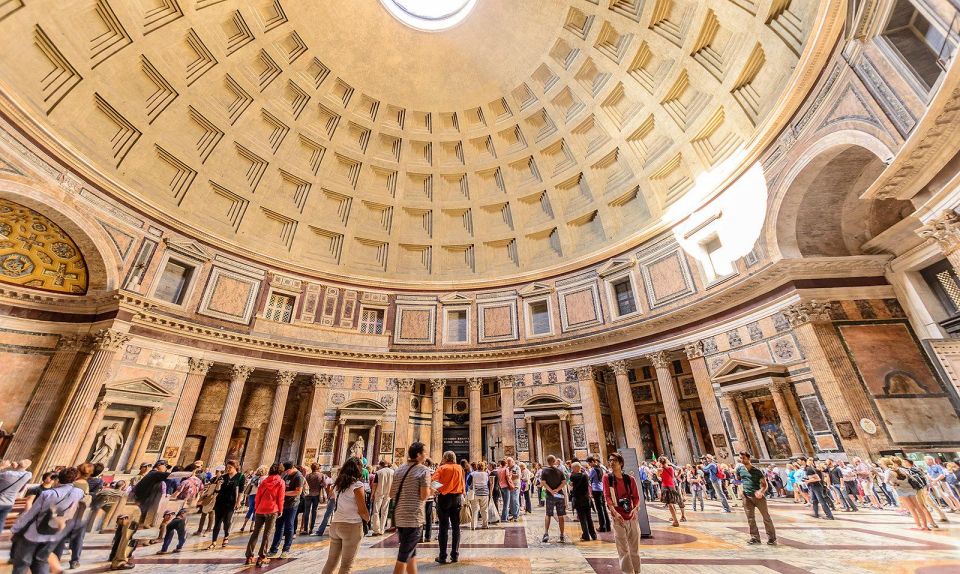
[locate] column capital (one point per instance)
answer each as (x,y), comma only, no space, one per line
(285,378)
(239,373)
(506,381)
(564,416)
(475,383)
(102,404)
(781,385)
(109,340)
(660,359)
(320,381)
(199,366)
(693,350)
(528,418)
(727,394)
(584,373)
(619,368)
(405,385)
(70,342)
(154,409)
(944,229)
(437,385)
(812,311)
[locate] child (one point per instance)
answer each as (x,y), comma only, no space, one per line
(177,525)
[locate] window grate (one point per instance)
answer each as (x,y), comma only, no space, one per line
(280,308)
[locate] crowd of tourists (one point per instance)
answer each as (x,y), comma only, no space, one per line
(279,502)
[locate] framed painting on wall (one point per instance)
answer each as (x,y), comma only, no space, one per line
(643,394)
(237,448)
(688,388)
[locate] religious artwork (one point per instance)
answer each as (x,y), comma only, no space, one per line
(814,412)
(171,452)
(309,456)
(771,428)
(719,441)
(358,450)
(548,434)
(156,438)
(647,441)
(889,360)
(237,447)
(386,443)
(579,437)
(846,430)
(688,387)
(523,443)
(509,450)
(107,444)
(643,394)
(326,444)
(399,454)
(35,252)
(569,392)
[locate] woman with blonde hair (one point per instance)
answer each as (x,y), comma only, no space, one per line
(252,485)
(899,479)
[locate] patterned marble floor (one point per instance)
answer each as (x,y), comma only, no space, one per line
(869,542)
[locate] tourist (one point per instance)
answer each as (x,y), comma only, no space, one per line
(754,498)
(176,526)
(380,495)
(48,480)
(331,504)
(553,480)
(526,484)
(922,484)
(865,481)
(695,479)
(478,484)
(428,505)
(75,529)
(670,494)
(813,478)
(937,480)
(582,499)
(508,478)
(346,529)
(267,505)
(30,549)
(205,502)
(493,486)
(149,492)
(835,472)
(287,522)
(899,479)
(711,471)
(13,479)
(409,492)
(622,498)
(449,502)
(227,502)
(596,473)
(251,493)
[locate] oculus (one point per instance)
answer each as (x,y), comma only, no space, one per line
(429,15)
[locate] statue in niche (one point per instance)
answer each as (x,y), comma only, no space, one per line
(108,442)
(358,449)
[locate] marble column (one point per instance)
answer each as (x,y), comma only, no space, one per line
(76,418)
(728,402)
(565,438)
(402,434)
(99,410)
(476,427)
(616,413)
(318,406)
(631,425)
(183,415)
(592,419)
(531,447)
(339,440)
(778,391)
(671,407)
(507,425)
(377,437)
(41,413)
(143,437)
(221,440)
(436,419)
(708,401)
(836,378)
(268,455)
(945,230)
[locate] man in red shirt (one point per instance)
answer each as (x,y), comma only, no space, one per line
(622,495)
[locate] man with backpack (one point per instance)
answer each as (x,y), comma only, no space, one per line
(38,530)
(596,473)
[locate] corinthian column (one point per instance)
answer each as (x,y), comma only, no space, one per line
(778,392)
(592,419)
(269,452)
(143,438)
(183,415)
(33,432)
(238,377)
(436,418)
(507,425)
(476,430)
(76,418)
(671,407)
(708,401)
(945,230)
(631,425)
(318,405)
(835,376)
(402,433)
(729,402)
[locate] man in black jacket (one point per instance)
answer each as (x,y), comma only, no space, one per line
(580,493)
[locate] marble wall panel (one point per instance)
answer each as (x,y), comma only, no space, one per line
(229,296)
(415,325)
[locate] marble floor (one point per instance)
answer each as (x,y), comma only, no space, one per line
(867,542)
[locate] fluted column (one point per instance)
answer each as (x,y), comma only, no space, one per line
(671,407)
(436,418)
(76,418)
(507,425)
(402,438)
(238,378)
(945,230)
(631,425)
(99,410)
(728,401)
(183,415)
(590,403)
(143,438)
(318,405)
(836,377)
(340,442)
(476,429)
(32,433)
(708,400)
(269,452)
(531,448)
(778,392)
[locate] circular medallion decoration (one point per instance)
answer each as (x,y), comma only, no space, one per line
(386,400)
(16,265)
(868,426)
(522,396)
(63,250)
(460,406)
(5,229)
(415,404)
(570,392)
(337,398)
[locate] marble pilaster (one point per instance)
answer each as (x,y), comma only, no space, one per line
(708,401)
(475,385)
(318,405)
(402,434)
(728,401)
(183,415)
(436,418)
(778,391)
(671,407)
(592,419)
(143,438)
(268,455)
(628,411)
(221,440)
(507,425)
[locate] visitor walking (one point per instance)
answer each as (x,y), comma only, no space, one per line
(311,502)
(380,495)
(36,531)
(670,494)
(449,502)
(479,484)
(287,523)
(814,481)
(267,506)
(695,479)
(711,471)
(228,501)
(176,526)
(622,497)
(755,488)
(346,529)
(412,489)
(899,479)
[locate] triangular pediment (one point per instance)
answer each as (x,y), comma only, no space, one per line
(616,264)
(146,387)
(453,298)
(735,369)
(536,288)
(188,248)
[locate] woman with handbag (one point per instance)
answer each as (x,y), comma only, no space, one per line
(226,503)
(346,529)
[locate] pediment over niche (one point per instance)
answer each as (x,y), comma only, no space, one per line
(736,370)
(537,288)
(616,264)
(146,389)
(454,298)
(188,248)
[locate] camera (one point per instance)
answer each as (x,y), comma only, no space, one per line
(625,503)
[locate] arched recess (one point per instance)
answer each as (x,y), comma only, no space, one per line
(103,267)
(818,210)
(545,400)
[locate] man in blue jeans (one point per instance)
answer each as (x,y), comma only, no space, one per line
(711,470)
(287,523)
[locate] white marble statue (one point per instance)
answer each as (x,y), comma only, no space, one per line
(108,441)
(358,450)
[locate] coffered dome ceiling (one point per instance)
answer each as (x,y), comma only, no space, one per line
(328,136)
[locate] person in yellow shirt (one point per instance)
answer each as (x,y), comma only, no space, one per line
(449,502)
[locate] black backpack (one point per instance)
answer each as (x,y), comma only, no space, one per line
(916,478)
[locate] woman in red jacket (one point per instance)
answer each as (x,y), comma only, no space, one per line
(268,505)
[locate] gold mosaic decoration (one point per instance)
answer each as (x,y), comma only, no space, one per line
(35,252)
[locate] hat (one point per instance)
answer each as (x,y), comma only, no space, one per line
(167,513)
(182,512)
(161,461)
(144,465)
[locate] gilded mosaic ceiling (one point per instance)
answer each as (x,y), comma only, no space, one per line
(329,136)
(35,252)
